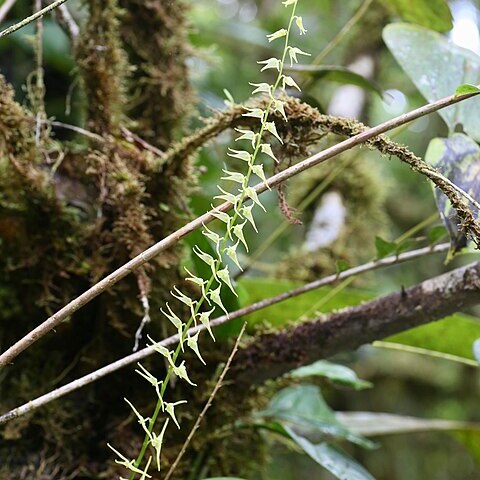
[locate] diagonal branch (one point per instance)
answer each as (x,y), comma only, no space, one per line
(367,135)
(272,355)
(31,18)
(140,355)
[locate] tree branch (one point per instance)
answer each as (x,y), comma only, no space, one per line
(31,18)
(367,135)
(140,355)
(272,355)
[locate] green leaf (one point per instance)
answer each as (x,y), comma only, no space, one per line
(434,14)
(384,247)
(453,335)
(331,458)
(335,73)
(436,233)
(458,159)
(224,478)
(372,424)
(437,67)
(255,289)
(303,409)
(341,265)
(465,89)
(334,372)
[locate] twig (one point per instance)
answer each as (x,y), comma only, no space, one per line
(31,18)
(207,405)
(68,23)
(341,34)
(141,354)
(363,137)
(5,8)
(423,351)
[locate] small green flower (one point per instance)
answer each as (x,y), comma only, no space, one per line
(278,34)
(192,342)
(299,22)
(224,276)
(273,63)
(170,409)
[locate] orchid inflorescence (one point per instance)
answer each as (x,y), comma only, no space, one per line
(244,199)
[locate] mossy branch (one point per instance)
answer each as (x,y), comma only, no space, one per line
(369,136)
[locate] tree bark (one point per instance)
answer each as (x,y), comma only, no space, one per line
(274,354)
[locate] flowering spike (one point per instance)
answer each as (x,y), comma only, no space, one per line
(290,82)
(192,342)
(289,2)
(251,193)
(181,372)
(224,276)
(247,135)
(273,62)
(238,232)
(215,298)
(170,409)
(204,318)
(247,213)
(266,148)
(254,112)
(278,34)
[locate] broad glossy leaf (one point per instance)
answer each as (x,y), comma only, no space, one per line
(255,289)
(434,14)
(331,458)
(458,159)
(437,68)
(303,409)
(453,335)
(333,371)
(371,423)
(335,73)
